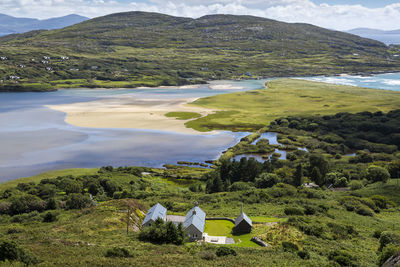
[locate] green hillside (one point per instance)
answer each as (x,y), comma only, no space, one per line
(138,48)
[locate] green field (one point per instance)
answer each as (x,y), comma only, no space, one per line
(253,110)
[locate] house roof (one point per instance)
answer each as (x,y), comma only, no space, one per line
(155,212)
(195,217)
(242,217)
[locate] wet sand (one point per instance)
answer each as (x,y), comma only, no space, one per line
(129,112)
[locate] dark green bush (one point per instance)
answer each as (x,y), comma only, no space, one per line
(293,211)
(50,217)
(343,258)
(365,211)
(305,255)
(381,202)
(78,201)
(266,180)
(163,233)
(118,252)
(225,251)
(289,246)
(12,252)
(388,237)
(387,252)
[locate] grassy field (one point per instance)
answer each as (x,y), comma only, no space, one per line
(253,110)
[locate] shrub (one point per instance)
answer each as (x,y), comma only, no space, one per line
(50,217)
(381,202)
(51,204)
(342,257)
(118,252)
(26,203)
(26,217)
(377,174)
(78,201)
(305,255)
(340,182)
(12,252)
(355,185)
(207,255)
(387,238)
(225,251)
(14,230)
(239,186)
(70,186)
(293,211)
(266,180)
(289,246)
(377,234)
(163,233)
(309,210)
(387,252)
(365,211)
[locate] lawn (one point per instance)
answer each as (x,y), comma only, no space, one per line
(253,110)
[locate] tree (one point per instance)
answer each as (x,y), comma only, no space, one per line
(377,174)
(318,161)
(78,201)
(217,185)
(267,180)
(298,179)
(317,177)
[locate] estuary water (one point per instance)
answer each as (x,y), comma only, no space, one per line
(34,138)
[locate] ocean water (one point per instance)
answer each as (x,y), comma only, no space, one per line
(34,139)
(390,81)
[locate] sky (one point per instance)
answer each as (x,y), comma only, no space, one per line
(332,14)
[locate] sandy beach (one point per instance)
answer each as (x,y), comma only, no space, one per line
(128,112)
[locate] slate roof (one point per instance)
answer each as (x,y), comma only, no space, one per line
(198,219)
(155,212)
(242,217)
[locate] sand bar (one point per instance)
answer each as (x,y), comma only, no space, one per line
(130,112)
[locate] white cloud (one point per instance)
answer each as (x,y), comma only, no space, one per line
(341,17)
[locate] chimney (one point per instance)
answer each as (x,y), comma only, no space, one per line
(242,206)
(194,211)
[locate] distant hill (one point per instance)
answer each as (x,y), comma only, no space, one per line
(387,37)
(148,49)
(11,25)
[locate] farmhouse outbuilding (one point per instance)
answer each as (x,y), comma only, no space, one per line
(155,212)
(194,223)
(243,224)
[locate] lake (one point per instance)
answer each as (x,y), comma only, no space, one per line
(34,139)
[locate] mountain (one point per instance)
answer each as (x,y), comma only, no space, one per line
(148,49)
(387,37)
(11,25)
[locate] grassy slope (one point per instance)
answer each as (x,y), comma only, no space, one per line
(147,49)
(254,109)
(82,236)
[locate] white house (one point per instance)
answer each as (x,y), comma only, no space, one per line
(155,212)
(194,223)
